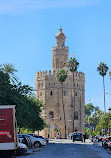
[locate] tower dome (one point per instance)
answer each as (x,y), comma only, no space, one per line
(60,39)
(60,34)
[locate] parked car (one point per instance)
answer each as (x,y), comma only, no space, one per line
(78,136)
(22,149)
(37,142)
(36,136)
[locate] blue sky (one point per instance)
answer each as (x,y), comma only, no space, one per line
(27,35)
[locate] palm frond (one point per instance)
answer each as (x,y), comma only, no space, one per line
(73,64)
(102,69)
(9,69)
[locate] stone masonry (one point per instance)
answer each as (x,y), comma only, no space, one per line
(49,90)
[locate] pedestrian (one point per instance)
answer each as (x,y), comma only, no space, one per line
(73,138)
(84,136)
(60,135)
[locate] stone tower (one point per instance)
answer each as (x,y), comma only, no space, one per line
(50,92)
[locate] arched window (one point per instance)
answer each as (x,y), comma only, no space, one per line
(64,93)
(51,114)
(76,115)
(51,93)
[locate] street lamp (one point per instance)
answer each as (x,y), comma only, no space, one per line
(68,125)
(109,118)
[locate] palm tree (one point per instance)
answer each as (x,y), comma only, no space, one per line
(61,76)
(9,69)
(73,66)
(0,67)
(102,68)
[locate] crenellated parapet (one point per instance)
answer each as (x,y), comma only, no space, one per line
(49,74)
(46,79)
(44,74)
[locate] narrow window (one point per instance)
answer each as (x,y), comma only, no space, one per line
(76,115)
(51,93)
(64,93)
(51,114)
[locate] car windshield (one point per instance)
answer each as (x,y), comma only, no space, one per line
(34,135)
(23,135)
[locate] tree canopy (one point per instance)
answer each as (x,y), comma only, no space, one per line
(102,69)
(28,109)
(73,64)
(10,71)
(61,75)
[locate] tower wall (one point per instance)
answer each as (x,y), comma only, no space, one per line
(50,91)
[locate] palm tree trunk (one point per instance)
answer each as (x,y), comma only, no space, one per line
(63,110)
(104,95)
(73,101)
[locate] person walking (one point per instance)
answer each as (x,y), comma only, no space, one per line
(84,137)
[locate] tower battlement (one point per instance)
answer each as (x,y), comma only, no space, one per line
(45,73)
(49,74)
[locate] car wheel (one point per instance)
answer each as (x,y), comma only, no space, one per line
(37,144)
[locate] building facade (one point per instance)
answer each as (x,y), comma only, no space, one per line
(49,90)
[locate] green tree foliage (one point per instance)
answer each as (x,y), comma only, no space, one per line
(104,122)
(10,71)
(102,69)
(92,117)
(5,88)
(73,65)
(89,108)
(61,76)
(28,109)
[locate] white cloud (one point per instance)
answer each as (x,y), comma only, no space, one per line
(14,6)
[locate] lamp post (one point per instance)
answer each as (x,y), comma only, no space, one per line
(109,119)
(68,125)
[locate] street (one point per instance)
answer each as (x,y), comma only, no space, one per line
(68,149)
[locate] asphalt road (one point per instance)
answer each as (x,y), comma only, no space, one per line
(68,149)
